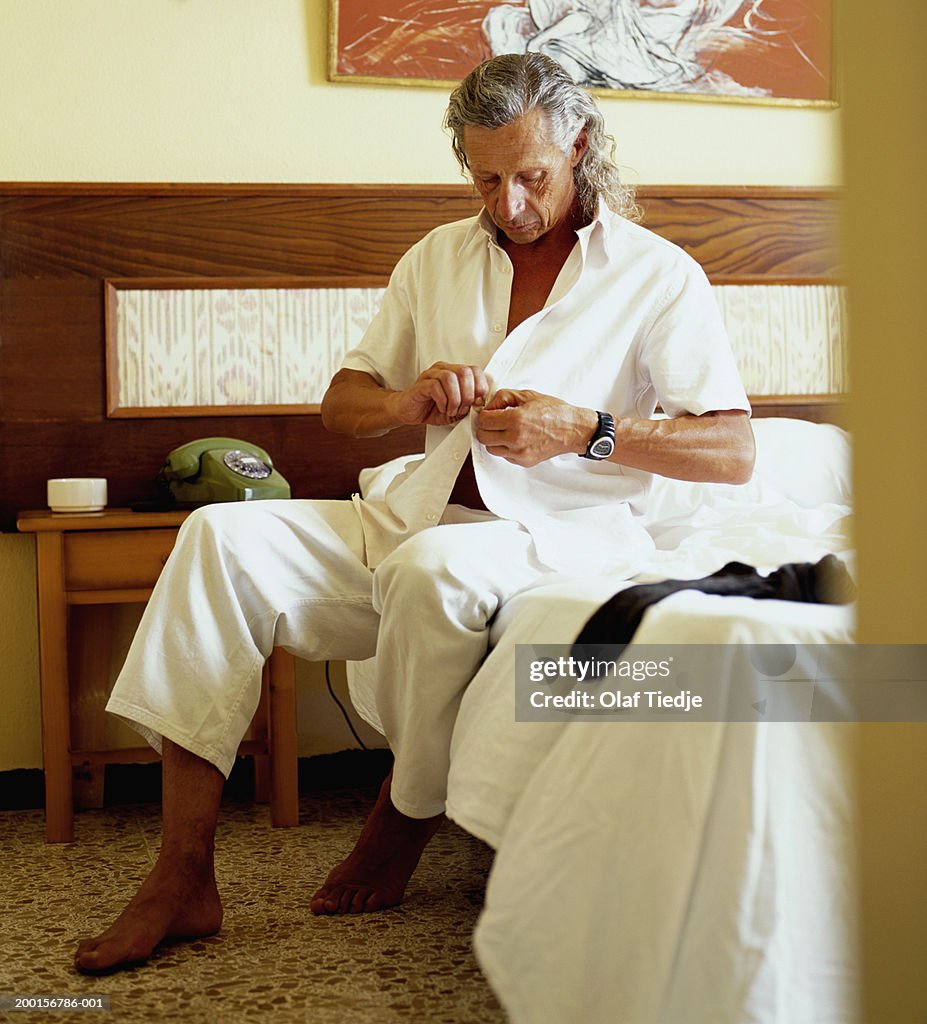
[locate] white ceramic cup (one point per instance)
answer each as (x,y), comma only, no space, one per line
(77,494)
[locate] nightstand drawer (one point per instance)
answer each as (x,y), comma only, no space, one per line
(114,560)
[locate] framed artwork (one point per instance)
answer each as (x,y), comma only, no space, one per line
(214,346)
(758,51)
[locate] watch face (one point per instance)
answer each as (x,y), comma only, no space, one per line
(602,447)
(246,464)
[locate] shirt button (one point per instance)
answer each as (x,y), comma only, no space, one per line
(430,516)
(497,328)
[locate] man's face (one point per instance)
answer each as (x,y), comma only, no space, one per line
(524,178)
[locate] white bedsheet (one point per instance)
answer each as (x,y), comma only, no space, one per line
(666,872)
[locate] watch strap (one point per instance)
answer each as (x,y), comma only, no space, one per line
(602,442)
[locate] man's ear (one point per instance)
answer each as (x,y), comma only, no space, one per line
(580,145)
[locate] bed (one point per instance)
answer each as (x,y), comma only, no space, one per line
(681,871)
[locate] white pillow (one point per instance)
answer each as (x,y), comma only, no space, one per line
(806,463)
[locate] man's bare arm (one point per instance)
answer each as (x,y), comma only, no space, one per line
(716,447)
(526,427)
(357,405)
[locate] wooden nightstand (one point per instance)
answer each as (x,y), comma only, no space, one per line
(93,560)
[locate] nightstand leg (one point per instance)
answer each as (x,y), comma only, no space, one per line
(259,730)
(90,645)
(56,714)
(284,760)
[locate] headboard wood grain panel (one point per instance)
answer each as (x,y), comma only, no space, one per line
(59,242)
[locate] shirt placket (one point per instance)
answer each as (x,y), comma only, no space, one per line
(512,346)
(501,277)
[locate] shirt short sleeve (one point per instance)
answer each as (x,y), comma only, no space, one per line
(686,354)
(388,350)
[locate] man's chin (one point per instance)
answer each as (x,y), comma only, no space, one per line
(521,235)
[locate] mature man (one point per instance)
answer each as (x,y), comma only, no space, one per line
(549,292)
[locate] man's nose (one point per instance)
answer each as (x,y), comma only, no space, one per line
(511,201)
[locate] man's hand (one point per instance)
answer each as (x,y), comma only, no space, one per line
(443,394)
(357,405)
(526,427)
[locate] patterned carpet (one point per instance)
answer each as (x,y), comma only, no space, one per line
(272,961)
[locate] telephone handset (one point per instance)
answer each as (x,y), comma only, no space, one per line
(221,469)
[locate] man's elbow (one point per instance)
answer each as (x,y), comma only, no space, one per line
(742,453)
(327,410)
(337,421)
(741,470)
(328,413)
(335,409)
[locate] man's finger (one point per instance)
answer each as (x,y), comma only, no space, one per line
(505,398)
(466,383)
(491,423)
(481,385)
(516,459)
(450,385)
(435,391)
(474,387)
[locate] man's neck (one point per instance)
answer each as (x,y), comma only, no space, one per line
(555,244)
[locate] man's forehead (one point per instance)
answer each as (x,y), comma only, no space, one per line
(529,138)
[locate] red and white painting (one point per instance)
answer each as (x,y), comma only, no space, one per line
(759,50)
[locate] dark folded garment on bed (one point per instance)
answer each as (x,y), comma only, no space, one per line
(823,582)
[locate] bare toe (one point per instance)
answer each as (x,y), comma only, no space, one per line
(375,874)
(97,957)
(167,906)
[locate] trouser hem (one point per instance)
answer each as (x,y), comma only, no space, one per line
(155,729)
(415,809)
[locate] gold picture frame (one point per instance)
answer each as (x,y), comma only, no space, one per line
(777,52)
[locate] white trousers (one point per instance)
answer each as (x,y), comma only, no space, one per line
(246,577)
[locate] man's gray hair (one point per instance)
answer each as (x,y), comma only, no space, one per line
(505,88)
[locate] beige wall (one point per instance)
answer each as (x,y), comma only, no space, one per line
(235,90)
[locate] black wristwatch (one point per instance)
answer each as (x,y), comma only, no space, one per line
(602,443)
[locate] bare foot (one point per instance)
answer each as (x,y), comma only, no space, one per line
(171,904)
(375,873)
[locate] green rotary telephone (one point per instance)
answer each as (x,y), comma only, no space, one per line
(221,469)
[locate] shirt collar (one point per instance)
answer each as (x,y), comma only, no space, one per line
(481,225)
(599,227)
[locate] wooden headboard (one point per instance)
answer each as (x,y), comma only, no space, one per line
(60,242)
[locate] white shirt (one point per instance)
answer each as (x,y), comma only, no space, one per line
(630,322)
